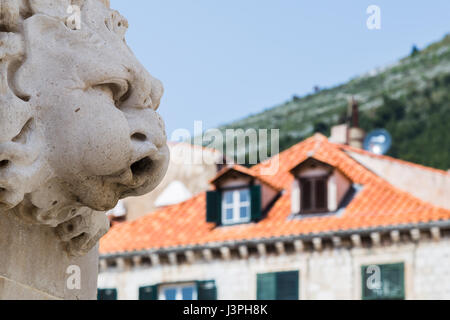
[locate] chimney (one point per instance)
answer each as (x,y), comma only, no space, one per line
(349,133)
(354,113)
(339,134)
(356,135)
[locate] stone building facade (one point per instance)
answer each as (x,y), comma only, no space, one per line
(332,273)
(328,224)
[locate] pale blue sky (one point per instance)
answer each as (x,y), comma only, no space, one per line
(223,60)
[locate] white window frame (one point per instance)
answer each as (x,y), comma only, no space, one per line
(179,291)
(236,205)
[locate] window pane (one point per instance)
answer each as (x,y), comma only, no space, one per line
(228,197)
(229,214)
(306,194)
(321,192)
(170,294)
(244,195)
(244,212)
(187,293)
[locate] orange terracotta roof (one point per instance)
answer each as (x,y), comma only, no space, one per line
(378,204)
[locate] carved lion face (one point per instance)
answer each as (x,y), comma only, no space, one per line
(86,121)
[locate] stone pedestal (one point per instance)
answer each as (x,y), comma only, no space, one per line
(34,265)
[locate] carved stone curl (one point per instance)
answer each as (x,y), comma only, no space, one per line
(78,122)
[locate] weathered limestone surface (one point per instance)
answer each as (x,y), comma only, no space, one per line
(34,264)
(78,131)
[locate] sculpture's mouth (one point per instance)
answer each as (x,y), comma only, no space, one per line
(145,174)
(142,167)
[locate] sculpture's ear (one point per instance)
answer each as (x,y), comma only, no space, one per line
(37,30)
(50,7)
(41,25)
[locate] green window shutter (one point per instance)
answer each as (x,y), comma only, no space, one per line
(393,280)
(206,290)
(287,285)
(213,207)
(255,206)
(278,286)
(266,286)
(391,286)
(106,294)
(148,293)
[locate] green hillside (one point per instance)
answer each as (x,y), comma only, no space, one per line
(411,99)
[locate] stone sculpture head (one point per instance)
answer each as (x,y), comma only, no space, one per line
(78,122)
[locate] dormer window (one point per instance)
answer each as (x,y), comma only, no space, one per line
(239,197)
(236,206)
(314,194)
(318,188)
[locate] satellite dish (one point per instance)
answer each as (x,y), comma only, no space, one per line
(378,141)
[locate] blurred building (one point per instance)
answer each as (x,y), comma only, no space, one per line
(331,222)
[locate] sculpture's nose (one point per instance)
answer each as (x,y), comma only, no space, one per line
(147,127)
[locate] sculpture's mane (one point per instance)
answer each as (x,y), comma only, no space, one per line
(20,145)
(13,106)
(23,165)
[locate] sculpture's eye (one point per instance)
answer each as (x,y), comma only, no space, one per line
(117,89)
